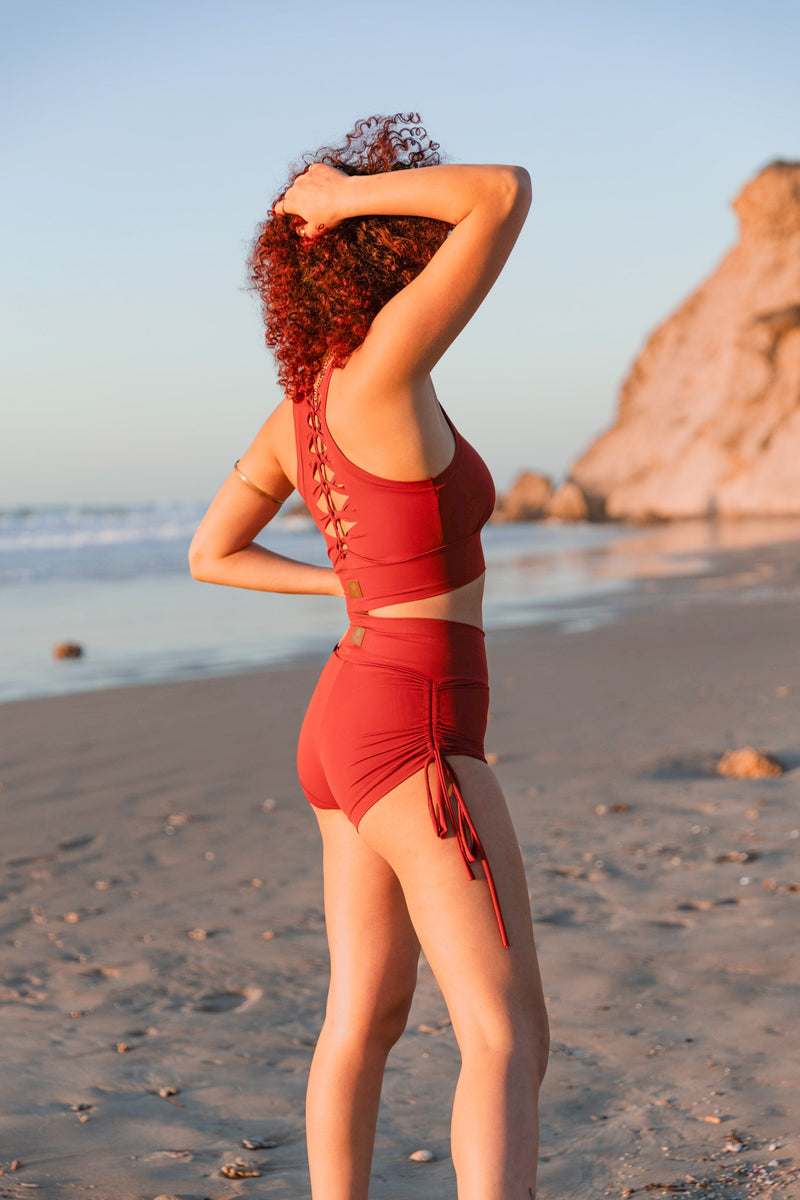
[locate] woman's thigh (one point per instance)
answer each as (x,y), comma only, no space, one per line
(373,946)
(484,983)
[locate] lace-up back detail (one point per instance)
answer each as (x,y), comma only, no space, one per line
(391,541)
(330,498)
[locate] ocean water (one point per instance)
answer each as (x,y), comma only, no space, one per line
(116,581)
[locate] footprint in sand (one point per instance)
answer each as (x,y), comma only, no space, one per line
(221,1002)
(77,843)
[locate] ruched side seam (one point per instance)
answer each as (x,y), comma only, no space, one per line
(447,808)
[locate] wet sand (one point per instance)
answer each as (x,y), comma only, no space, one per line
(163,953)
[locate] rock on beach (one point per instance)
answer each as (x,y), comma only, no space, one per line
(708,422)
(568,503)
(748,764)
(527,498)
(67,650)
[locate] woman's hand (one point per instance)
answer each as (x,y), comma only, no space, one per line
(318,197)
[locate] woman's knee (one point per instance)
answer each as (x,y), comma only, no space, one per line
(378,1026)
(537,1044)
(389,1021)
(542,1045)
(516,1034)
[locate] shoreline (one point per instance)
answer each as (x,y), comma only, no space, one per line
(154,835)
(574,587)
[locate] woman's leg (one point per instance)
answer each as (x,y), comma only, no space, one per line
(374,954)
(494,994)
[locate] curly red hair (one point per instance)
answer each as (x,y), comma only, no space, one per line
(320,296)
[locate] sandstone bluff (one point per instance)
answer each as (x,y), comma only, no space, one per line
(709,417)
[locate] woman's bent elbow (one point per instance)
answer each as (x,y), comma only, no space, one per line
(518,189)
(198,566)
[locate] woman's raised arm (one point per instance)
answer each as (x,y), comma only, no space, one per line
(487,206)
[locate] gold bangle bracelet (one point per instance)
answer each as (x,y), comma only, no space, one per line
(254,487)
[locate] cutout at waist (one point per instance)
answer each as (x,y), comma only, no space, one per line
(462,604)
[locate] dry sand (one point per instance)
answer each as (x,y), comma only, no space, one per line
(163,954)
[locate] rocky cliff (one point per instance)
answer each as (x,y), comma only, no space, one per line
(709,417)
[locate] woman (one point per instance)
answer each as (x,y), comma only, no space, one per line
(367,271)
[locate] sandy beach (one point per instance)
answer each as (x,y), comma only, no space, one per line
(163,952)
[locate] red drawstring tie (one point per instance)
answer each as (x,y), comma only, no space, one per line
(444,819)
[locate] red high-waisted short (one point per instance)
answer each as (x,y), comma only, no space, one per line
(398,695)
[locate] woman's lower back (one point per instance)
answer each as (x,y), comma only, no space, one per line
(462,604)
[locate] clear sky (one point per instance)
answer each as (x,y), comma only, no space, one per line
(141,143)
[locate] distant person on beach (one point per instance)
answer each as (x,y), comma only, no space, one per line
(368,266)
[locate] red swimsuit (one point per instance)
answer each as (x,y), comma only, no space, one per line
(398,694)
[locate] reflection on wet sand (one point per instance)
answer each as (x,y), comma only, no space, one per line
(594,579)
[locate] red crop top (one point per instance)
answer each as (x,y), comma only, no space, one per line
(391,540)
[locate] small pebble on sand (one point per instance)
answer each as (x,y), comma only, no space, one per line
(240,1170)
(422,1156)
(182,1196)
(748,763)
(67,650)
(197,935)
